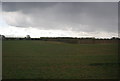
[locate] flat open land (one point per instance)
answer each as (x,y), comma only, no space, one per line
(28,59)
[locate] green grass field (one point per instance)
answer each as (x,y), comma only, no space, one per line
(27,59)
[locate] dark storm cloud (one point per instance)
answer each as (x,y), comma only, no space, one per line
(77,16)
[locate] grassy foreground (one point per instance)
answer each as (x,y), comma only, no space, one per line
(27,59)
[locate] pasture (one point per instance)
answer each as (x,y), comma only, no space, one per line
(27,59)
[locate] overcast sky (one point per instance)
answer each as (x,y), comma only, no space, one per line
(75,19)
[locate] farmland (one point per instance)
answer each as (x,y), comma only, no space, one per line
(30,59)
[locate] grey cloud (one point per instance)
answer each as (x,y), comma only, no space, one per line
(79,16)
(60,0)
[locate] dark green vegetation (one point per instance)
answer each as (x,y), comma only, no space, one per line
(27,59)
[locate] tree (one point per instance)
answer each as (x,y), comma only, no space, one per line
(2,37)
(28,37)
(114,38)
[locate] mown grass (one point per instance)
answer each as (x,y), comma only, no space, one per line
(27,59)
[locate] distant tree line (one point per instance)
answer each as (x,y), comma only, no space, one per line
(64,39)
(47,38)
